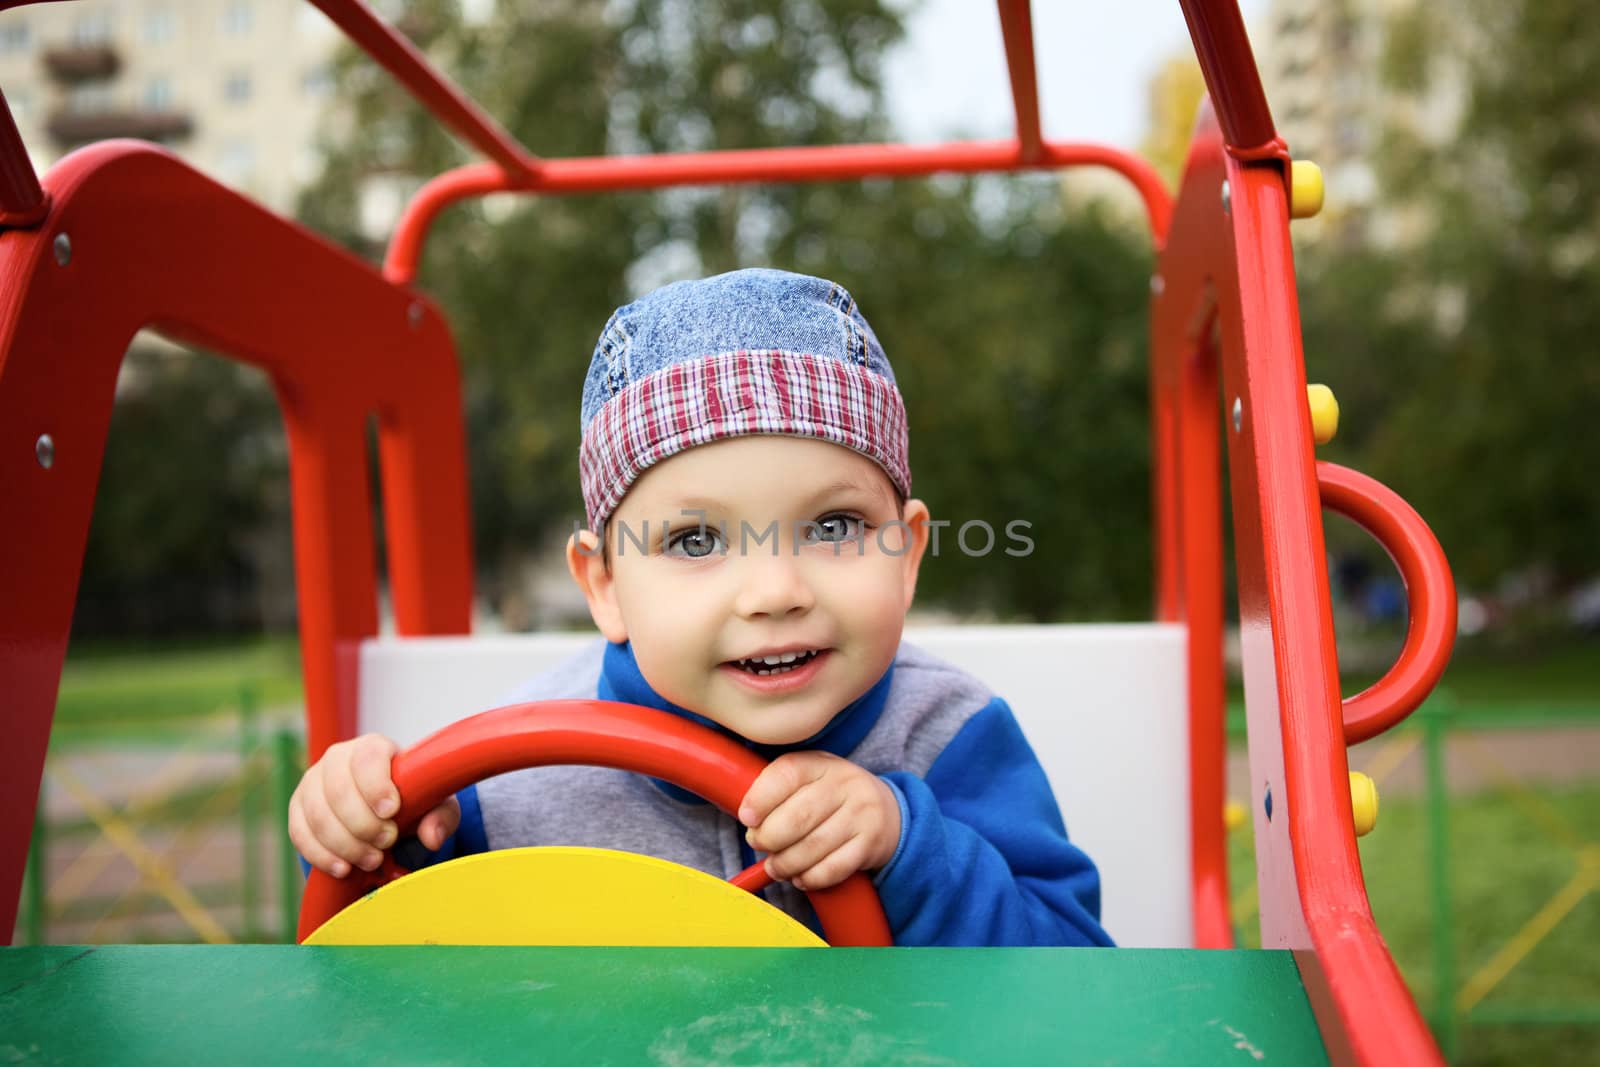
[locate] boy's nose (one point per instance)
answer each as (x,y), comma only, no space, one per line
(773,586)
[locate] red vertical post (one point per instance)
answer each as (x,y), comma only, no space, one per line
(1016,27)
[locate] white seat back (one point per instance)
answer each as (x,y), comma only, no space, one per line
(1102,705)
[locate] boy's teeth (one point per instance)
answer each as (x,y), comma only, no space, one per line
(778,664)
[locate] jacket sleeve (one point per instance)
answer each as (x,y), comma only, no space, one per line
(983,857)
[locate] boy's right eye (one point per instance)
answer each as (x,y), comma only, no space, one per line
(693,542)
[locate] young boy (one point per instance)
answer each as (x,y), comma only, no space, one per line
(744,459)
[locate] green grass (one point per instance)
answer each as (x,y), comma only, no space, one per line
(129,691)
(1503,869)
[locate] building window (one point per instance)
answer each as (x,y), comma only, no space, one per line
(159,26)
(236,88)
(92,28)
(14,37)
(317,82)
(238,161)
(237,18)
(90,99)
(158,95)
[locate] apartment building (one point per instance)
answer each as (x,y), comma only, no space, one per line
(235,87)
(1322,64)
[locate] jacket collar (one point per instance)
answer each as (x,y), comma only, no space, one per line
(621,680)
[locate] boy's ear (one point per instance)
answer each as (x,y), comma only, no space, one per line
(916,520)
(586,563)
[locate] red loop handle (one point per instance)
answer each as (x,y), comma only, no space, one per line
(596,733)
(1430,590)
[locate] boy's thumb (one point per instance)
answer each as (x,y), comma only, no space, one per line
(439,823)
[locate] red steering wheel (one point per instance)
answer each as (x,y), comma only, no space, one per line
(598,733)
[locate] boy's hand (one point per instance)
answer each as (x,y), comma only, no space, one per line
(820,819)
(341,812)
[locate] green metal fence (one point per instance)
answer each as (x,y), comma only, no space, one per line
(194,794)
(1461,968)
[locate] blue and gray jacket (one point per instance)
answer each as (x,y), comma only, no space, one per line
(983,857)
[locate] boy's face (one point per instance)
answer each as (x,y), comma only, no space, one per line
(802,554)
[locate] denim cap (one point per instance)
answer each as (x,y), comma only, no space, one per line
(748,352)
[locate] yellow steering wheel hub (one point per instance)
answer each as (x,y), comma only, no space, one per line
(562,896)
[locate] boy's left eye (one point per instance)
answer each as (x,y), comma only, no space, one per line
(833,528)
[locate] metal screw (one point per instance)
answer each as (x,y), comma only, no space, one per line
(414,314)
(1158,284)
(1227,199)
(44,450)
(1238,414)
(1267,802)
(63,249)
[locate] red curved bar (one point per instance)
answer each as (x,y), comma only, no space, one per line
(825,163)
(1431,631)
(595,733)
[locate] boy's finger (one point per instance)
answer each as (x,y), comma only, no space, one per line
(777,783)
(349,805)
(439,824)
(813,848)
(369,767)
(306,843)
(800,814)
(332,834)
(833,868)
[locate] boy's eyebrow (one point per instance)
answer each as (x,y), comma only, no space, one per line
(874,489)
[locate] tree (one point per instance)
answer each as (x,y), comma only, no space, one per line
(1481,329)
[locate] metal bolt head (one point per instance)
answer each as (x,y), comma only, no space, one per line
(1158,284)
(1227,199)
(414,314)
(1266,802)
(63,249)
(1238,414)
(44,450)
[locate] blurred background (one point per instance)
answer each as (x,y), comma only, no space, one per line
(1449,293)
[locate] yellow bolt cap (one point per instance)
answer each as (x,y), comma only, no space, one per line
(1363,802)
(1305,189)
(1324,413)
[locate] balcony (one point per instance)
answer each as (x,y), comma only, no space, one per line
(72,128)
(82,62)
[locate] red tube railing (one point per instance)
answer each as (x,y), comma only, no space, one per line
(1232,80)
(823,163)
(432,89)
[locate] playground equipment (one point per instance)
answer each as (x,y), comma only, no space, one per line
(343,343)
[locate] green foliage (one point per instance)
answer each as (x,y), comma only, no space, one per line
(193,467)
(1475,383)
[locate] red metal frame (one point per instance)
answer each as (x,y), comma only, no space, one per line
(343,344)
(1228,266)
(596,733)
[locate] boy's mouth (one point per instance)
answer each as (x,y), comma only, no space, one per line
(777,663)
